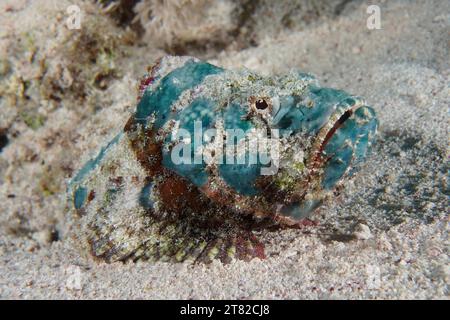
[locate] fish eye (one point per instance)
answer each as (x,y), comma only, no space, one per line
(261,104)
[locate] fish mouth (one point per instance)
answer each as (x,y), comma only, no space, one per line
(318,155)
(347,114)
(346,145)
(338,149)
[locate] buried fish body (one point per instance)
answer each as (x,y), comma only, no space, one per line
(210,156)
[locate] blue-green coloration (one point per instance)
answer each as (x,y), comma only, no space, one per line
(80,193)
(144,197)
(80,196)
(349,143)
(150,194)
(169,90)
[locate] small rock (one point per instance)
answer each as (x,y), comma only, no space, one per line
(439,18)
(291,253)
(356,50)
(420,99)
(31,246)
(383,243)
(44,237)
(402,263)
(362,232)
(74,279)
(4,67)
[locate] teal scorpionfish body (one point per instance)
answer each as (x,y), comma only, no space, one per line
(211,155)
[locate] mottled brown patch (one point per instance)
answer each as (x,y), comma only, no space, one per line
(223,252)
(147,151)
(135,179)
(269,189)
(117,181)
(258,250)
(242,248)
(91,196)
(176,194)
(129,125)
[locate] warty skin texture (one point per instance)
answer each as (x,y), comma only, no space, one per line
(135,202)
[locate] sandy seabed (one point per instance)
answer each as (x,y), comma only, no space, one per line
(386,237)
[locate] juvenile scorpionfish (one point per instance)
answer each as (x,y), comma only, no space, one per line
(211,155)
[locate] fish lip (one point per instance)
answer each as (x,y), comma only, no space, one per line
(343,111)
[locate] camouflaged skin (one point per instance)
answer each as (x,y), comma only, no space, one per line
(134,202)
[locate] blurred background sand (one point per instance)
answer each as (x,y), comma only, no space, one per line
(64,92)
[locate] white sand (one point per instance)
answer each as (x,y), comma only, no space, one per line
(386,237)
